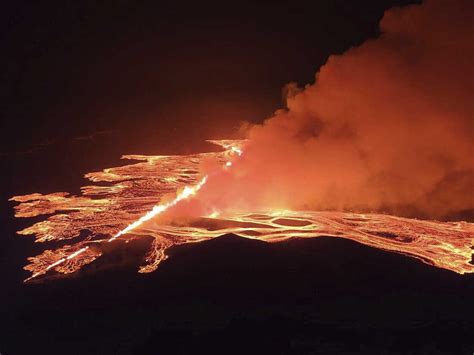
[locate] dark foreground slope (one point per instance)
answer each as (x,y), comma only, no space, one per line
(232,295)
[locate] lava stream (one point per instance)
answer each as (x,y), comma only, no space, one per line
(134,196)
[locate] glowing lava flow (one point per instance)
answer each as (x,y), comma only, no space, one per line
(134,196)
(57,263)
(187,191)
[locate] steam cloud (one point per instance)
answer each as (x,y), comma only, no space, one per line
(387,126)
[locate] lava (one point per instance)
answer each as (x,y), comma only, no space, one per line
(139,192)
(187,191)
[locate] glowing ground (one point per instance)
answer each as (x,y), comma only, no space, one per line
(125,200)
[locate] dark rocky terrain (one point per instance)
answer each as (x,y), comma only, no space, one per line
(232,295)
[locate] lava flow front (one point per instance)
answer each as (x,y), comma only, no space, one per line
(139,192)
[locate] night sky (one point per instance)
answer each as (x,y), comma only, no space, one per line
(167,71)
(84,82)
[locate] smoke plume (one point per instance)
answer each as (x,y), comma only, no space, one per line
(386,126)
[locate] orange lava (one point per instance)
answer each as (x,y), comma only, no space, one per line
(138,192)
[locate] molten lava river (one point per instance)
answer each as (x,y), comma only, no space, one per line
(125,201)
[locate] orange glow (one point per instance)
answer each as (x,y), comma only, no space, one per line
(184,194)
(386,126)
(134,203)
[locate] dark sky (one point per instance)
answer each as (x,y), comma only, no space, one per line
(162,73)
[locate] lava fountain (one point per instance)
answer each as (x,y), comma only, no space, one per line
(136,194)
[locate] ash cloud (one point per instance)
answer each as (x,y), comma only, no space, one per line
(386,126)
